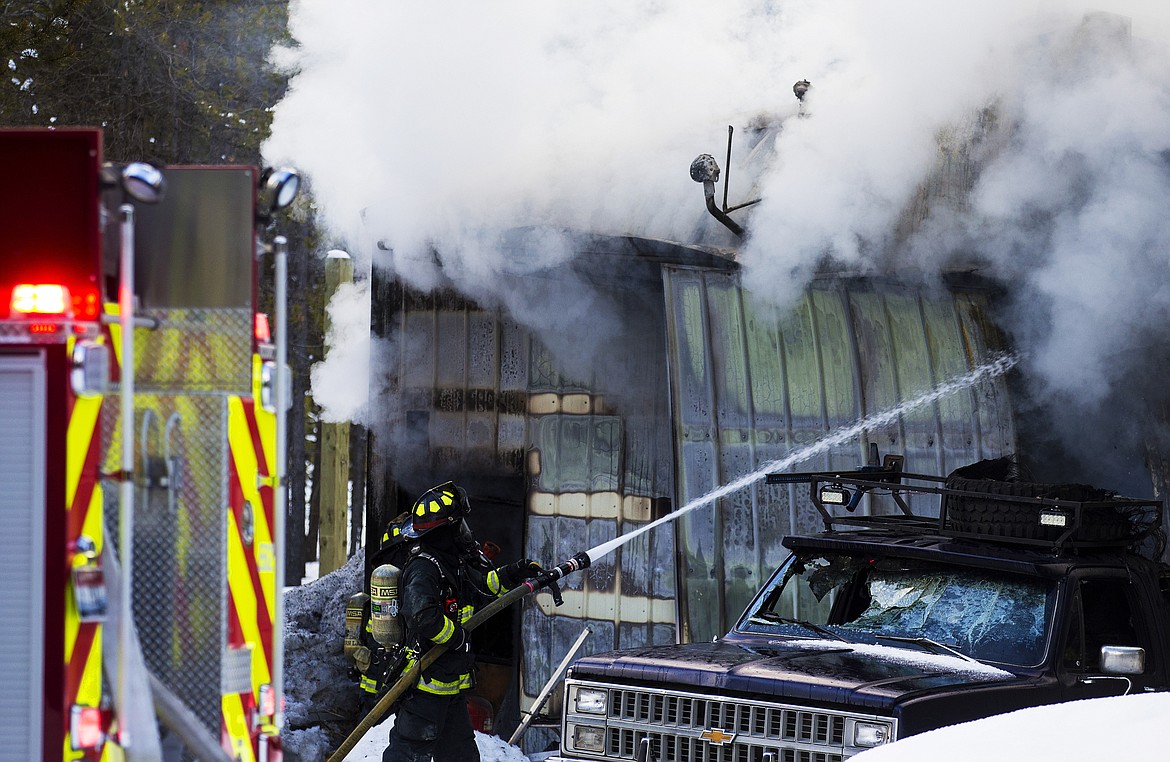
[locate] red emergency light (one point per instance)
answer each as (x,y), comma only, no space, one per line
(40,299)
(51,251)
(86,727)
(261,330)
(53,299)
(267,708)
(86,305)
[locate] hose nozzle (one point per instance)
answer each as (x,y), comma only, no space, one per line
(550,576)
(576,563)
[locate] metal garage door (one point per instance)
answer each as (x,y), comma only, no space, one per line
(22,553)
(752,383)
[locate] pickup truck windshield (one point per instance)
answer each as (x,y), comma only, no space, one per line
(983,614)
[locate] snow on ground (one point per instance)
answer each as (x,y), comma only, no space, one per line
(1127,728)
(491,748)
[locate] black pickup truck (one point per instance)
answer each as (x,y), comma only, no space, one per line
(927,601)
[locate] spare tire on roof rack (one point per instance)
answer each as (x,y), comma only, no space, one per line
(981,502)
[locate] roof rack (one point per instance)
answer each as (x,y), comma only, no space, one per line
(1055,517)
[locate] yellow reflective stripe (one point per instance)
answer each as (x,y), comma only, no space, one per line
(369,685)
(235,728)
(442,688)
(81,440)
(247,600)
(90,690)
(495,587)
(466,613)
(81,429)
(445,633)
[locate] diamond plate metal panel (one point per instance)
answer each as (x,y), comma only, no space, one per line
(237,671)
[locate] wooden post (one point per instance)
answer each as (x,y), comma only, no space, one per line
(334,461)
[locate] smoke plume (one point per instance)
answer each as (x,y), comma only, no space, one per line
(433,129)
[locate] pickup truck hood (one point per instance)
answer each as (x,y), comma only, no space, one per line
(820,671)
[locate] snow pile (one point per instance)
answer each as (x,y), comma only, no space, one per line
(321,700)
(1126,728)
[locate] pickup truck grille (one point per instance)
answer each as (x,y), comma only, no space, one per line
(696,728)
(756,727)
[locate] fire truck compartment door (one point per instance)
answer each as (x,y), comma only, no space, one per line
(22,553)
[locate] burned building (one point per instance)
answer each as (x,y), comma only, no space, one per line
(682,382)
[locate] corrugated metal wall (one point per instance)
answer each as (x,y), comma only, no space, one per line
(750,385)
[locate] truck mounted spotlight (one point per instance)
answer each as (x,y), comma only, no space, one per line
(835,495)
(278,188)
(704,169)
(140,181)
(143,182)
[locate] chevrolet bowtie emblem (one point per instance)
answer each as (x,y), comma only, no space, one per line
(717,736)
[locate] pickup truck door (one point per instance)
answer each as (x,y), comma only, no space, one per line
(1104,608)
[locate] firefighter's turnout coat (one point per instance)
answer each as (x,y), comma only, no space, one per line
(439,593)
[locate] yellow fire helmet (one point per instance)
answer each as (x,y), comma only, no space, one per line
(439,506)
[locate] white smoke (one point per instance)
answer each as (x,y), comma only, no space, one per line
(1068,122)
(433,128)
(341,383)
(1076,206)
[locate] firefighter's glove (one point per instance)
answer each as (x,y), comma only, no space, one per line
(458,639)
(362,658)
(518,571)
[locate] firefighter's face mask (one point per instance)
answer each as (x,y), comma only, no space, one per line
(464,540)
(469,550)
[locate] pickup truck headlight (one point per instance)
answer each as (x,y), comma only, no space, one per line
(869,734)
(588,738)
(592,700)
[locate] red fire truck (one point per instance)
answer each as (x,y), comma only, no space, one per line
(136,415)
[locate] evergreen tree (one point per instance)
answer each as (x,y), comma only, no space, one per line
(169,81)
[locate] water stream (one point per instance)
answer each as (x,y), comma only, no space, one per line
(996,367)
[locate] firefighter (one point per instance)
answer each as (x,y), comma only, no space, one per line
(443,573)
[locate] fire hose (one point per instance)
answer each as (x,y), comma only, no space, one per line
(547,578)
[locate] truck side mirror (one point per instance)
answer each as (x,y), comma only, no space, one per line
(1123,660)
